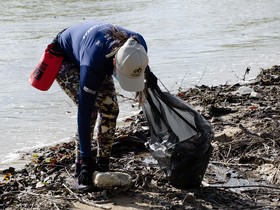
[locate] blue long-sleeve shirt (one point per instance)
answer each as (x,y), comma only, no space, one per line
(87,45)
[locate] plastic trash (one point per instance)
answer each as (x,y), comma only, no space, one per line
(244,90)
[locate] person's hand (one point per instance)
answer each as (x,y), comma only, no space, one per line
(87,169)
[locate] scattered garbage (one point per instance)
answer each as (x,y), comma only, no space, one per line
(255,95)
(243,171)
(243,90)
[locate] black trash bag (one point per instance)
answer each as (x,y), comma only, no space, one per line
(180,137)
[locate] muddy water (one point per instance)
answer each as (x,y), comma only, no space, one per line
(190,43)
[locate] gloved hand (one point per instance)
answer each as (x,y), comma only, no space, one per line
(87,169)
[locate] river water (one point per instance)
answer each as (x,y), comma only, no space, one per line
(190,43)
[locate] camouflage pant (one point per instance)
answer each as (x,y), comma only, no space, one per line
(106,111)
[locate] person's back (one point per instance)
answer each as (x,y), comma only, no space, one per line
(90,42)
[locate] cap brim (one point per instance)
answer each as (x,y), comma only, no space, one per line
(130,84)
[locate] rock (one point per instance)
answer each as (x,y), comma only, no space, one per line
(111,179)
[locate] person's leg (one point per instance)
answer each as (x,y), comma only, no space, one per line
(108,110)
(68,79)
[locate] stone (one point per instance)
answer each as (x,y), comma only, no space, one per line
(111,179)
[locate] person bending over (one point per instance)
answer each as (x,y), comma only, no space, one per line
(94,52)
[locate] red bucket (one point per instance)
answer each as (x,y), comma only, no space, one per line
(43,76)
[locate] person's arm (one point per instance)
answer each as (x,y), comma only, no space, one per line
(90,81)
(92,74)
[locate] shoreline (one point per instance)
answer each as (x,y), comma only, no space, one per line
(18,162)
(243,171)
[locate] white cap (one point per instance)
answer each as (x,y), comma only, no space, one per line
(131,62)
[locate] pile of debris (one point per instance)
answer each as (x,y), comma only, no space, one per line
(244,170)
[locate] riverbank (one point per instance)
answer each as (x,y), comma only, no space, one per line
(243,173)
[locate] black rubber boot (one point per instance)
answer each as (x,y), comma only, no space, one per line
(102,164)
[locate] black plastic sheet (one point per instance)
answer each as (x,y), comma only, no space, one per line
(180,136)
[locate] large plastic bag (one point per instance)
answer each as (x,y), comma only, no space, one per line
(180,136)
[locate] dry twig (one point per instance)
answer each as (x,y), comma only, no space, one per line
(85,201)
